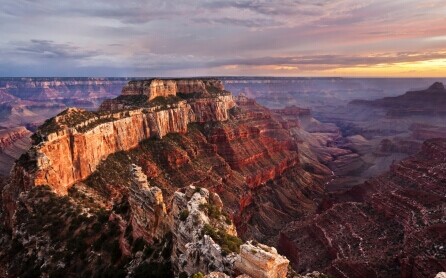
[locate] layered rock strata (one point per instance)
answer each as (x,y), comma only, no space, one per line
(393,225)
(194,249)
(86,143)
(148,212)
(205,240)
(162,88)
(261,261)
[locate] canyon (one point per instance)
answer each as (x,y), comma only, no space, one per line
(178,177)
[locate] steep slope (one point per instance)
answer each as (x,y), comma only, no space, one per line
(393,225)
(13,142)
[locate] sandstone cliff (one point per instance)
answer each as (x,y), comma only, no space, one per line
(162,88)
(85,138)
(147,208)
(261,261)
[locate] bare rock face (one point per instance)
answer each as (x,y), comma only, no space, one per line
(86,138)
(13,142)
(148,212)
(197,215)
(162,88)
(261,261)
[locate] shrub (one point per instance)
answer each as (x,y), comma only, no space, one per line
(138,245)
(211,210)
(228,243)
(184,214)
(197,275)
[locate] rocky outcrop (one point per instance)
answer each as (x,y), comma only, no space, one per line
(162,88)
(147,209)
(261,261)
(205,240)
(197,219)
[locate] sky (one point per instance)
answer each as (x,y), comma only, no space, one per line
(347,38)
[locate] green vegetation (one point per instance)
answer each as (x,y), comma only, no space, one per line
(228,243)
(27,162)
(184,214)
(197,275)
(86,243)
(113,171)
(211,210)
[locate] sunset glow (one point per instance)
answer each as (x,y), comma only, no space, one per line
(403,38)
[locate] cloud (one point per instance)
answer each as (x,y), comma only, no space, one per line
(256,22)
(48,49)
(332,61)
(182,37)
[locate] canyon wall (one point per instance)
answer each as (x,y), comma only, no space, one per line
(84,145)
(393,225)
(162,88)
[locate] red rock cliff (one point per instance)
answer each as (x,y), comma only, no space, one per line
(75,142)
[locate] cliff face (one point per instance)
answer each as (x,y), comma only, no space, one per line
(88,142)
(163,88)
(261,261)
(13,142)
(148,212)
(392,225)
(197,218)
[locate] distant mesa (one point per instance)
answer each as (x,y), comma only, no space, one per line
(437,86)
(431,101)
(153,88)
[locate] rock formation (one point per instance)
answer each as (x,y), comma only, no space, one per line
(241,151)
(392,225)
(261,261)
(13,142)
(198,220)
(163,88)
(429,102)
(147,209)
(205,240)
(87,138)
